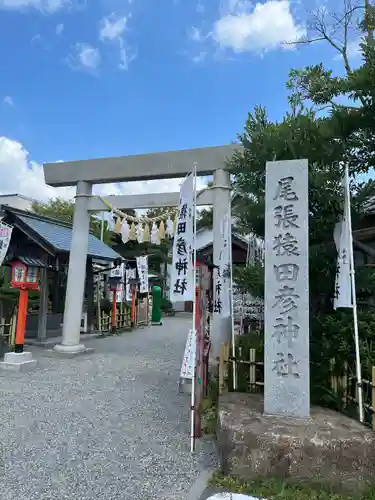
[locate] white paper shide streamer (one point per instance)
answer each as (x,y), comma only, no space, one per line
(222,274)
(182,286)
(142,267)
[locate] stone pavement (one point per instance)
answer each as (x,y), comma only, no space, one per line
(105,426)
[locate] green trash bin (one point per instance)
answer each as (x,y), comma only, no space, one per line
(156,306)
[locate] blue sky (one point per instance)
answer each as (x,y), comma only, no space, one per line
(102,78)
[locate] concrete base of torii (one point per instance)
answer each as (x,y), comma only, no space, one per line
(18,362)
(68,351)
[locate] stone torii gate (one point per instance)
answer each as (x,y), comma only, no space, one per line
(173,164)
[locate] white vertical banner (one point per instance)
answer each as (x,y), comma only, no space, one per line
(142,267)
(182,276)
(188,362)
(342,237)
(130,274)
(346,278)
(5,236)
(222,274)
(118,272)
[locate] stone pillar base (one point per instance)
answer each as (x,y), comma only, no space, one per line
(69,351)
(329,449)
(19,362)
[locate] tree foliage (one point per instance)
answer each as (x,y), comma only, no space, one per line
(63,210)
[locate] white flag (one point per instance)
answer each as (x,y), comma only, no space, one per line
(182,279)
(118,272)
(142,267)
(130,274)
(342,237)
(188,362)
(5,235)
(222,273)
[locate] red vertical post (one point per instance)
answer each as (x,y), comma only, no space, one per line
(21,320)
(198,373)
(133,305)
(114,312)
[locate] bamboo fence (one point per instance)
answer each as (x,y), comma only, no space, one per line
(342,384)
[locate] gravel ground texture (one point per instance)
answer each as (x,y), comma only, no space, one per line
(109,425)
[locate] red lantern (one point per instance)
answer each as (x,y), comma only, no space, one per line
(24,277)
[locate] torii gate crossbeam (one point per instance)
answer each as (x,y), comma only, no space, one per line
(85,173)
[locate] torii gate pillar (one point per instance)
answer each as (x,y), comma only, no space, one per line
(221,327)
(75,288)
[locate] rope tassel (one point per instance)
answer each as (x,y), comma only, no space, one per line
(161,230)
(146,233)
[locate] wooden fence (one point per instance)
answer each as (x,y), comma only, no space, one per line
(123,320)
(251,370)
(8,330)
(124,317)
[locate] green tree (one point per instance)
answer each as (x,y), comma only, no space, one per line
(347,96)
(326,140)
(205,215)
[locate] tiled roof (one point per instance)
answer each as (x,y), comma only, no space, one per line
(60,237)
(31,261)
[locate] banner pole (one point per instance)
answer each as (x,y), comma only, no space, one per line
(193,410)
(354,297)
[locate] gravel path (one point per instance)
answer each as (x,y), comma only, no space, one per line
(109,425)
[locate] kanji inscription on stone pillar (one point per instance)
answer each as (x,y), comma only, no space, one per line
(286,349)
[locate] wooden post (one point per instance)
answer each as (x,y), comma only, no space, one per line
(221,369)
(12,332)
(43,305)
(98,301)
(373,397)
(333,376)
(252,370)
(114,313)
(344,384)
(133,305)
(90,294)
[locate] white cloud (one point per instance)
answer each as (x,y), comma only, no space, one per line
(196,35)
(85,57)
(243,26)
(200,8)
(19,174)
(59,29)
(36,38)
(265,27)
(8,100)
(112,30)
(200,57)
(353,51)
(48,6)
(112,27)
